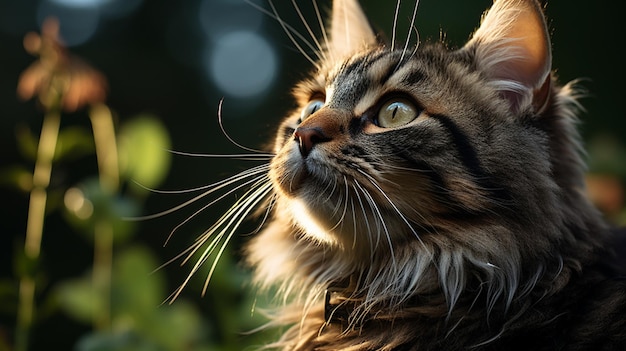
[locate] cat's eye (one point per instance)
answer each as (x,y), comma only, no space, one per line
(311,108)
(396,113)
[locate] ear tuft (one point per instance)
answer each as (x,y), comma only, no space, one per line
(350,30)
(512,47)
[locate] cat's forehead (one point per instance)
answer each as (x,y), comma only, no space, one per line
(360,81)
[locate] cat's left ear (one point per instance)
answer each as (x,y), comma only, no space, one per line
(350,30)
(512,47)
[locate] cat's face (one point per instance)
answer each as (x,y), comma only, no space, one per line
(388,146)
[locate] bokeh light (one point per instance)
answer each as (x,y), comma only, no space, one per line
(81,19)
(238,59)
(78,23)
(242,64)
(80,3)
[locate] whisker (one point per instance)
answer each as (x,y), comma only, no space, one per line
(321,23)
(199,188)
(266,215)
(237,219)
(354,233)
(393,205)
(227,225)
(417,43)
(408,39)
(395,25)
(161,191)
(221,123)
(229,192)
(362,206)
(343,214)
(352,206)
(213,188)
(380,222)
(245,157)
(319,51)
(289,30)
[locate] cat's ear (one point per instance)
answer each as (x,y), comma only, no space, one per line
(512,47)
(349,30)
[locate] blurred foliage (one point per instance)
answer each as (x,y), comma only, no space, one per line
(138,160)
(121,299)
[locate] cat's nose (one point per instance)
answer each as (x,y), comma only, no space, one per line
(308,137)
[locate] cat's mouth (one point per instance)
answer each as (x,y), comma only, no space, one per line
(330,200)
(295,175)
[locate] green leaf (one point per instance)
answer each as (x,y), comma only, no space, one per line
(143,151)
(137,289)
(176,326)
(137,300)
(79,299)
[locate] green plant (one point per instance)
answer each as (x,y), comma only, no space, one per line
(121,295)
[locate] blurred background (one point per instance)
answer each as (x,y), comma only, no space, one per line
(165,66)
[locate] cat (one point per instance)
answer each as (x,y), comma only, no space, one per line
(429,198)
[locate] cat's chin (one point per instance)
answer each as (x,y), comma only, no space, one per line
(309,224)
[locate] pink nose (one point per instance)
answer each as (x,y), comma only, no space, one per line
(308,137)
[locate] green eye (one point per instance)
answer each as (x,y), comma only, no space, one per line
(396,113)
(311,108)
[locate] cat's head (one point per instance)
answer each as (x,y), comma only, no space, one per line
(461,156)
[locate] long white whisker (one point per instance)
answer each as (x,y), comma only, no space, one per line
(219,119)
(395,25)
(345,209)
(190,252)
(320,51)
(417,41)
(393,205)
(229,222)
(236,220)
(241,175)
(245,157)
(289,30)
(215,187)
(408,39)
(348,197)
(266,215)
(211,204)
(354,227)
(379,215)
(365,216)
(321,23)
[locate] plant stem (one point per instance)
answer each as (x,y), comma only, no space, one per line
(34,225)
(106,154)
(106,147)
(102,268)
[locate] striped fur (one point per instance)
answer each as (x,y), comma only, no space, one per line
(466,229)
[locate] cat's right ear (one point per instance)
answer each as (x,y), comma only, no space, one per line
(350,31)
(512,48)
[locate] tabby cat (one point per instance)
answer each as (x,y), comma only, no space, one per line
(433,199)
